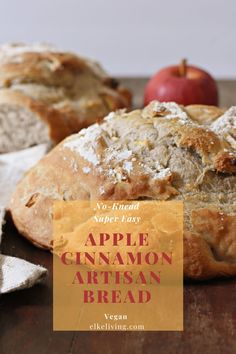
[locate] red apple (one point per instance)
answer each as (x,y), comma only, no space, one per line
(183,84)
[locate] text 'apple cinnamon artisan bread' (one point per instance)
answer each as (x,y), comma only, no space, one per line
(159,153)
(47,94)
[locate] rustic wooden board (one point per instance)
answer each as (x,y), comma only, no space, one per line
(26,316)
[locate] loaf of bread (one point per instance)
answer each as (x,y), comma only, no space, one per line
(46,95)
(163,152)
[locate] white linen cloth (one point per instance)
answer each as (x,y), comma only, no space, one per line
(16,273)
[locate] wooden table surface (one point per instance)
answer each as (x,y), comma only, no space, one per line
(26,316)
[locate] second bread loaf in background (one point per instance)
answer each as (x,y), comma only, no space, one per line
(46,95)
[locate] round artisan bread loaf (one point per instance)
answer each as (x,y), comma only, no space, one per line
(161,152)
(47,95)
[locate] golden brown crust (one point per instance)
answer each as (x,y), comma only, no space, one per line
(203,114)
(219,230)
(225,162)
(58,69)
(43,64)
(199,260)
(157,153)
(210,147)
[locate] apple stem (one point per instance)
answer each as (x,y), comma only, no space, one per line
(183,67)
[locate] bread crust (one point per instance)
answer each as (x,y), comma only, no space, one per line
(159,153)
(44,64)
(203,114)
(199,261)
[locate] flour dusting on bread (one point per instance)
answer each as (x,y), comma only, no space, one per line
(13,52)
(146,136)
(167,110)
(86,143)
(225,126)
